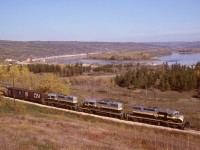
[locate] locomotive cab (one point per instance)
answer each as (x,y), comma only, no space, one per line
(52,96)
(59,97)
(90,103)
(106,104)
(172,115)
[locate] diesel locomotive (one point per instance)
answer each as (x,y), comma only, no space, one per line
(159,116)
(105,107)
(68,102)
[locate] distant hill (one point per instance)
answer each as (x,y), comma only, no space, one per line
(195,44)
(189,45)
(21,50)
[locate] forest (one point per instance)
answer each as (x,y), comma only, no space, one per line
(175,77)
(61,70)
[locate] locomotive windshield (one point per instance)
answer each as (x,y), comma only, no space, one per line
(136,108)
(177,113)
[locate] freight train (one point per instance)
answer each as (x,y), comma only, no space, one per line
(150,115)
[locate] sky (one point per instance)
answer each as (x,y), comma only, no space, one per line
(100,20)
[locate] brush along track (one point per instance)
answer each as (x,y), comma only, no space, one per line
(187,131)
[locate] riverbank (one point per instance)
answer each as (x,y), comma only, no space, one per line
(141,57)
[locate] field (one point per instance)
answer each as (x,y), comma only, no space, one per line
(101,87)
(33,127)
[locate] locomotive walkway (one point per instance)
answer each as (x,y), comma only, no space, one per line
(187,131)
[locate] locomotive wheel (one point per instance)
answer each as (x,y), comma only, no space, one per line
(181,127)
(121,117)
(110,115)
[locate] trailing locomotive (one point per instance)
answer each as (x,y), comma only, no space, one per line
(151,115)
(103,107)
(69,102)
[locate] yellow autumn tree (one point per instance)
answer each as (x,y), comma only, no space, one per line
(50,83)
(13,75)
(21,75)
(23,78)
(3,74)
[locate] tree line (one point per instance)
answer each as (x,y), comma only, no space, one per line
(175,77)
(63,71)
(105,68)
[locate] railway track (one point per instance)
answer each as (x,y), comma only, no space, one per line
(187,131)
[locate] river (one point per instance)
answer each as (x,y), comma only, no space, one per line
(183,59)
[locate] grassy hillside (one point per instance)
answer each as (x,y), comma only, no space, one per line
(33,127)
(103,87)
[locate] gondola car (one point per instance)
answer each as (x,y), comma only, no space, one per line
(103,107)
(24,94)
(69,102)
(160,116)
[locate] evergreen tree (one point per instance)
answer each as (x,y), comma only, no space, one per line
(175,77)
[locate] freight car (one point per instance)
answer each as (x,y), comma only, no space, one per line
(159,116)
(103,107)
(24,94)
(58,100)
